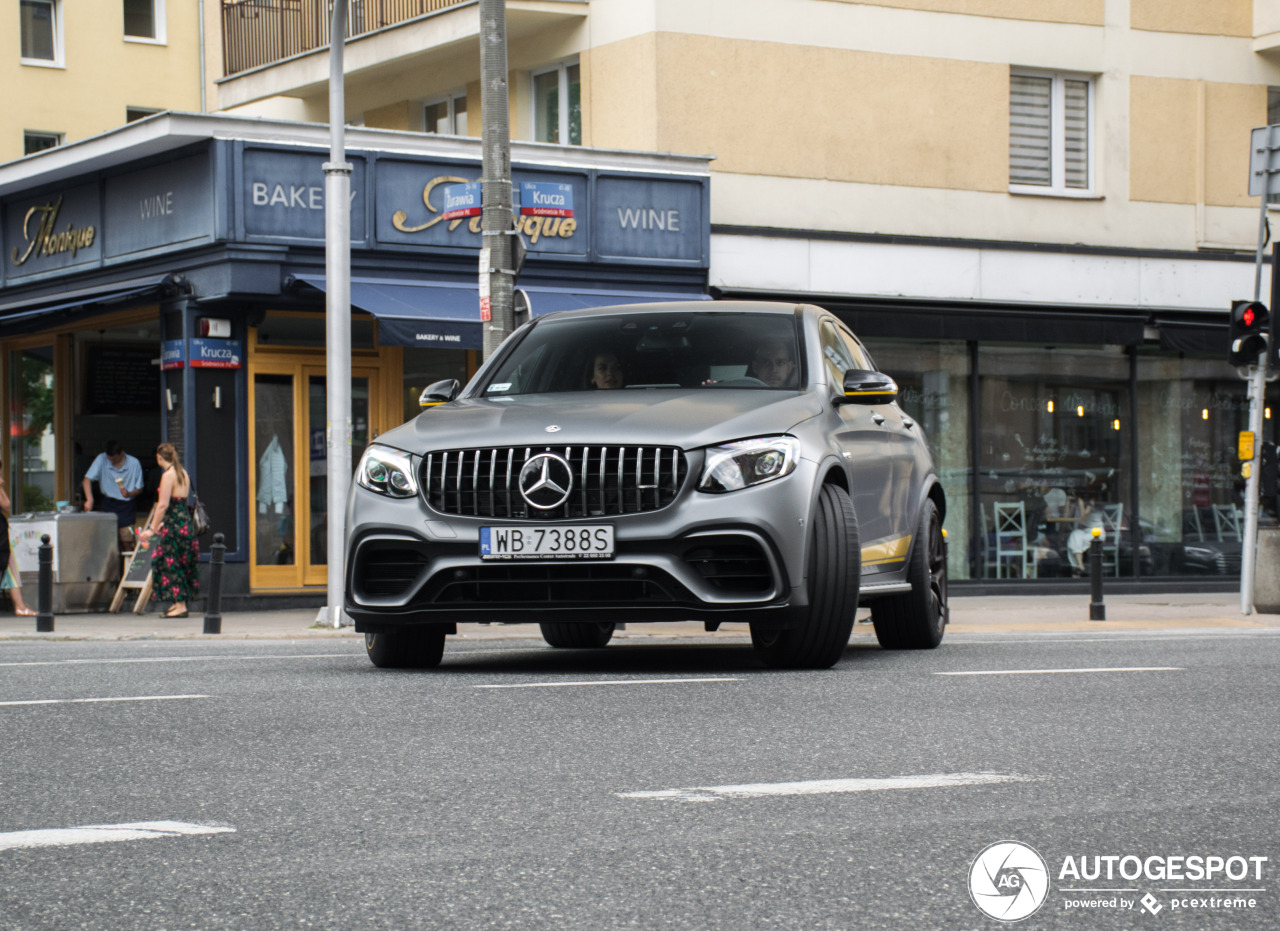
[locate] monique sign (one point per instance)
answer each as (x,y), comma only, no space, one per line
(531,225)
(45,240)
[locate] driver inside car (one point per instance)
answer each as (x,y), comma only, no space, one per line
(774,364)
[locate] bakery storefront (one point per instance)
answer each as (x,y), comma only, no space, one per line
(165,282)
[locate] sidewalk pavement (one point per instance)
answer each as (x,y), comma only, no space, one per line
(969,615)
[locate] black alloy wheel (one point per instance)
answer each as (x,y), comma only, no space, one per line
(916,620)
(418,648)
(835,574)
(577,636)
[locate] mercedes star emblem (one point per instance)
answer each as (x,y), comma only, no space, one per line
(546,481)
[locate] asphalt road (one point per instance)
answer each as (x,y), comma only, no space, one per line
(648,785)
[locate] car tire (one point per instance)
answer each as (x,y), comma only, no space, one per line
(835,573)
(406,649)
(577,636)
(917,619)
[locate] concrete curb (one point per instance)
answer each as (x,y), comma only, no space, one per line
(969,615)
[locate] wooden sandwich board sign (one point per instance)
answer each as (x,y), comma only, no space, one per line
(137,575)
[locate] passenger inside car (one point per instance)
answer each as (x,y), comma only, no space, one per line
(605,372)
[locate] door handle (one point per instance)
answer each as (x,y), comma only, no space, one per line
(879,419)
(908,423)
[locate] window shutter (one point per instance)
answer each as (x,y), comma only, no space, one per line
(1076,118)
(1029,130)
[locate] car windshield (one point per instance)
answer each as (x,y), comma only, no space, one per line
(704,350)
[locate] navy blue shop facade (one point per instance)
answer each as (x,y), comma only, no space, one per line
(165,282)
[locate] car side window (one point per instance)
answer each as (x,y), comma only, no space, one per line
(861,357)
(835,354)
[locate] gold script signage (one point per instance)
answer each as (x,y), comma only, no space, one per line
(46,240)
(532,226)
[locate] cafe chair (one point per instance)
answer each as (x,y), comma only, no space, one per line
(1013,558)
(1226,520)
(1111,520)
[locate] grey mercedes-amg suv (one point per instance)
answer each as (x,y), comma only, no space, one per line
(728,461)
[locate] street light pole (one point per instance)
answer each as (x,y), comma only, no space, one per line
(497,275)
(337,275)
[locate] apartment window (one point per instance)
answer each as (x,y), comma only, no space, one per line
(557,107)
(33,142)
(447,116)
(1050,133)
(40,26)
(144,20)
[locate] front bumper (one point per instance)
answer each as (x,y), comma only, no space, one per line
(735,556)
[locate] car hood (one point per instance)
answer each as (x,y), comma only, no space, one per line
(640,417)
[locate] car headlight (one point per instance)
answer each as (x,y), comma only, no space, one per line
(387,472)
(749,462)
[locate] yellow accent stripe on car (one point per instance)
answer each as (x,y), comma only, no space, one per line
(892,551)
(866,394)
(430,403)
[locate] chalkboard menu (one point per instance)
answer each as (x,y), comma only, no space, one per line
(121,379)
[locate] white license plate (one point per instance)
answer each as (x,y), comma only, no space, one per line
(567,541)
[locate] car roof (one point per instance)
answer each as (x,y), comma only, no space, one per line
(723,307)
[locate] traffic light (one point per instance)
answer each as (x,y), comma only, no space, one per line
(1250,325)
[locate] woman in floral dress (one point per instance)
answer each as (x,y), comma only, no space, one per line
(177,550)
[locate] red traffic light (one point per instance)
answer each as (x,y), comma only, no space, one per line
(1248,317)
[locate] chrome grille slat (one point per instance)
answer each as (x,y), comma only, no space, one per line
(604,456)
(614,483)
(493,461)
(510,455)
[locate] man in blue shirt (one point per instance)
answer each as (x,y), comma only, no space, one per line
(119,478)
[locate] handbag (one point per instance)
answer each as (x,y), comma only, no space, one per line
(199,516)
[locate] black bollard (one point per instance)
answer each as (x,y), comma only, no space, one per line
(44,588)
(213,610)
(1097,610)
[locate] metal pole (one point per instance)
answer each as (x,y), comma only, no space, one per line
(1256,392)
(44,587)
(496,268)
(337,273)
(213,612)
(1097,610)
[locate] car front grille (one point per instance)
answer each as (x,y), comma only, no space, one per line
(607,481)
(1229,563)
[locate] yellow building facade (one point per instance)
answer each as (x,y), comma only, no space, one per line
(84,68)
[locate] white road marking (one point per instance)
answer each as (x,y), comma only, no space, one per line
(827,786)
(174,659)
(77,701)
(1119,636)
(103,833)
(560,685)
(1045,672)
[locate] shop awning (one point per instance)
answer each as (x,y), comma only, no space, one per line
(30,316)
(447,315)
(427,314)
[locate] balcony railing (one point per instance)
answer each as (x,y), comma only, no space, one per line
(259,32)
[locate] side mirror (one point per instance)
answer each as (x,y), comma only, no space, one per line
(442,392)
(865,387)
